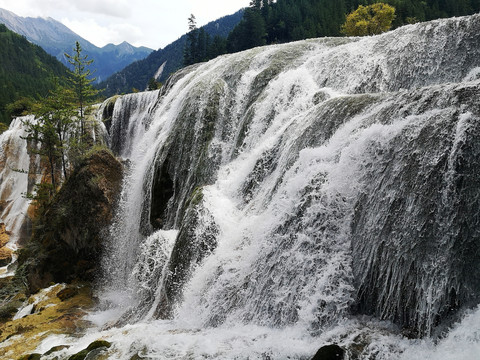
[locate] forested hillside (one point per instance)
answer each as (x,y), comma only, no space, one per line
(57,39)
(267,22)
(26,71)
(138,74)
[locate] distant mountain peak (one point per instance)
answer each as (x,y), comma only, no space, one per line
(57,39)
(163,62)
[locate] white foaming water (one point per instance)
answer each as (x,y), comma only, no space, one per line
(272,153)
(127,224)
(125,132)
(14,160)
(14,166)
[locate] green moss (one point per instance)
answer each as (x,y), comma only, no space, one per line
(97,148)
(12,288)
(9,310)
(196,197)
(3,127)
(31,357)
(56,348)
(79,356)
(12,296)
(97,344)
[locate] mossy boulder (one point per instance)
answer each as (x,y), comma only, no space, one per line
(94,346)
(55,349)
(12,296)
(68,234)
(9,310)
(98,344)
(137,357)
(81,355)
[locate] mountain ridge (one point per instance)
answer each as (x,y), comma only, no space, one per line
(57,39)
(162,62)
(26,71)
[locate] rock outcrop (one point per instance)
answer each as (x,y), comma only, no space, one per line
(330,352)
(68,234)
(40,316)
(5,253)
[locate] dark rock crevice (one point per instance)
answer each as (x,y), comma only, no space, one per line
(162,192)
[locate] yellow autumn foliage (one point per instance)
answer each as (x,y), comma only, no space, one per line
(369,20)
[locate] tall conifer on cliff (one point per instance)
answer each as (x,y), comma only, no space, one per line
(81,81)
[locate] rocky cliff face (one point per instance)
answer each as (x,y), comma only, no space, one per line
(68,233)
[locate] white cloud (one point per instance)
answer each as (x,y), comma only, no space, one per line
(115,8)
(209,10)
(152,23)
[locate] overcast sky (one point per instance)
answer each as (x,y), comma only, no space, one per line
(151,23)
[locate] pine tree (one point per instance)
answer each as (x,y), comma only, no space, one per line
(192,23)
(190,52)
(81,82)
(50,132)
(153,84)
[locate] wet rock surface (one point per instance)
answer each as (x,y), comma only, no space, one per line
(68,235)
(48,315)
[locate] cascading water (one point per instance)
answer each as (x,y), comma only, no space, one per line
(14,183)
(277,196)
(123,131)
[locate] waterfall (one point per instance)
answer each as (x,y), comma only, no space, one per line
(297,194)
(14,183)
(123,131)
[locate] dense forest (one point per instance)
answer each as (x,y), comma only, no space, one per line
(268,22)
(26,72)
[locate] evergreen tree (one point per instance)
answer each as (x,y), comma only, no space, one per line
(199,46)
(53,134)
(202,46)
(218,46)
(256,4)
(153,84)
(251,32)
(81,82)
(190,54)
(54,124)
